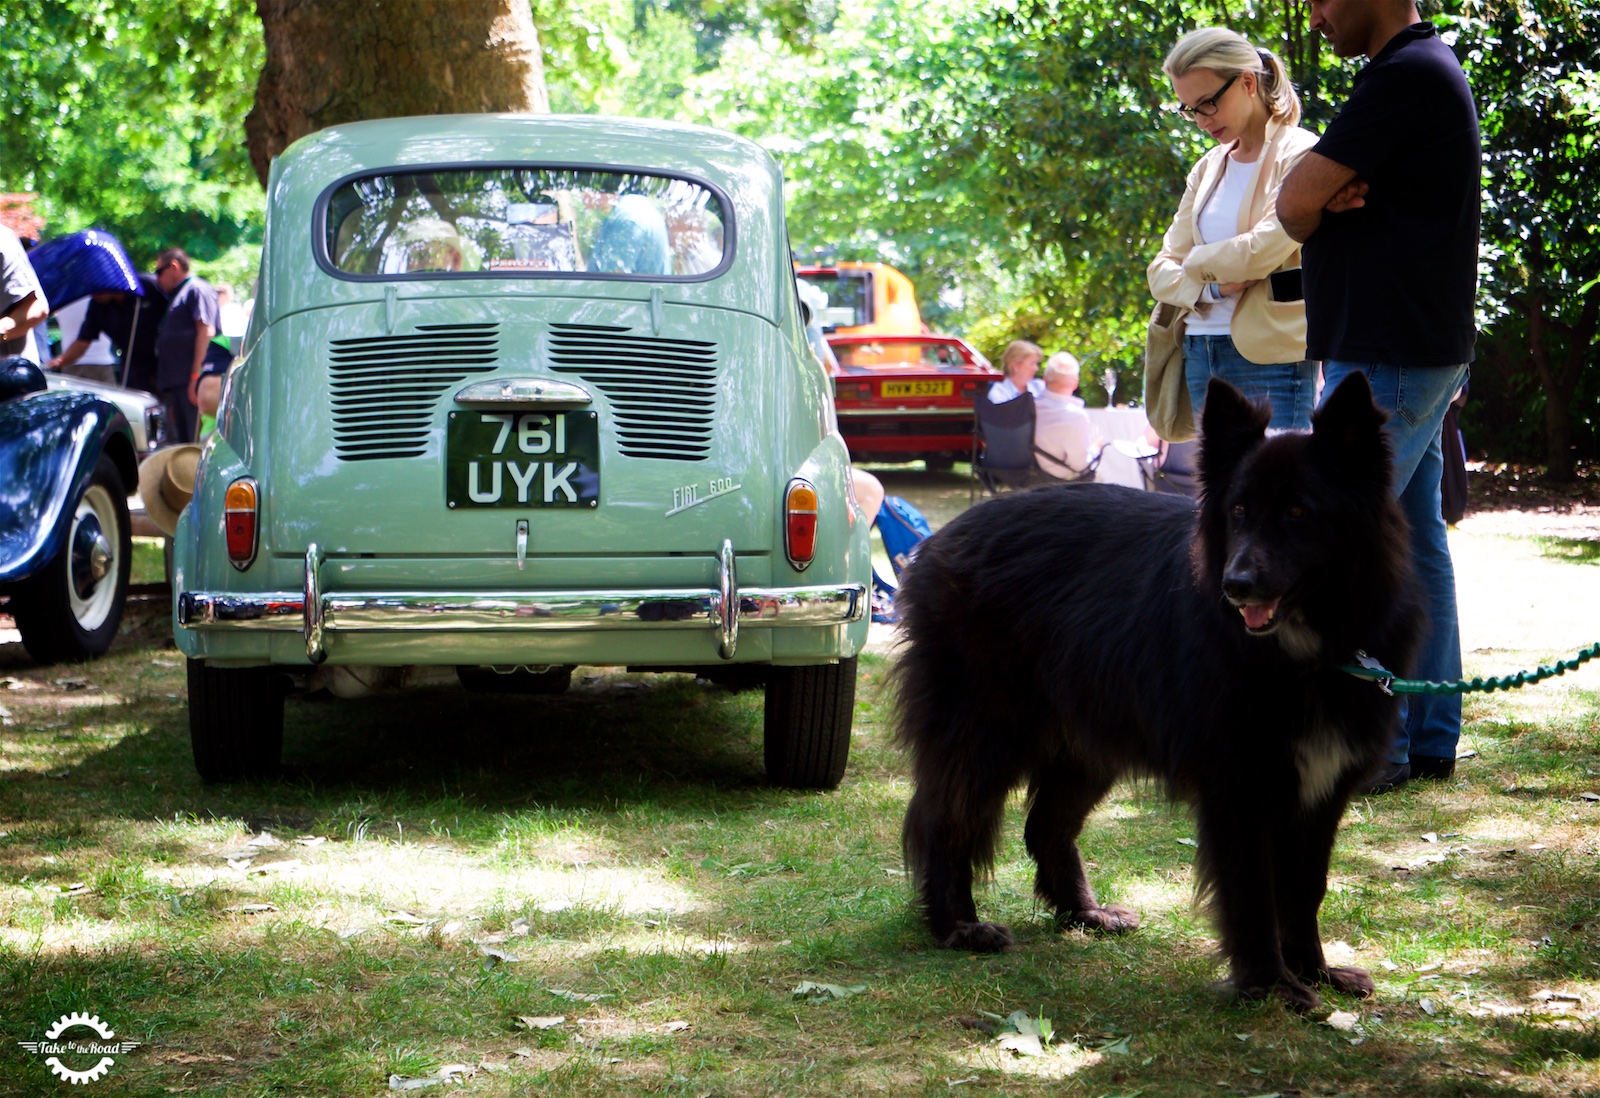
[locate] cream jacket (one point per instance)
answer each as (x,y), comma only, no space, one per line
(1264,330)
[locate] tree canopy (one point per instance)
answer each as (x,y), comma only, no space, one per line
(1013,157)
(125,114)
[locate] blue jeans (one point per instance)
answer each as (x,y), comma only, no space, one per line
(1416,399)
(1291,386)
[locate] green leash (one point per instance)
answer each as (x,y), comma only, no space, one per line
(1370,669)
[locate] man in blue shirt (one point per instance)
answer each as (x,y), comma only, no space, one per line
(192,319)
(1388,205)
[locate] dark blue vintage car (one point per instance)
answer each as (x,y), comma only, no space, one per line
(66,461)
(67,464)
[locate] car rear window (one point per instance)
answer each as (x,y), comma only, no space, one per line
(898,353)
(524,221)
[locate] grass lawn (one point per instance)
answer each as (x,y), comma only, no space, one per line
(597,893)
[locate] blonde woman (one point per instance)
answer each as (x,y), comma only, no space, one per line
(1226,242)
(1020,363)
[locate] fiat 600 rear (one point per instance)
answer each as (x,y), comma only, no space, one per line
(523,393)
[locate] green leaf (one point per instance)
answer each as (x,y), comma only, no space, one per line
(815,992)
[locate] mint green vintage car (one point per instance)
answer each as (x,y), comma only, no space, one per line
(521,393)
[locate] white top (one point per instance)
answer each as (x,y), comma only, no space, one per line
(233,316)
(1002,390)
(17,281)
(1061,428)
(1219,220)
(71,317)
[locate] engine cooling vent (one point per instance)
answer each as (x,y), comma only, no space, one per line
(663,392)
(384,388)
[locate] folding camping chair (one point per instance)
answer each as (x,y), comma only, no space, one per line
(1172,468)
(1002,443)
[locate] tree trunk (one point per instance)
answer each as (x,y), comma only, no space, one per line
(333,61)
(1557,380)
(1558,459)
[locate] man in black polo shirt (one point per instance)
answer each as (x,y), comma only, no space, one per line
(1387,205)
(192,319)
(122,317)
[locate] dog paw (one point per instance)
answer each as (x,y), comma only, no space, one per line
(978,937)
(1294,995)
(1351,981)
(1297,997)
(1111,919)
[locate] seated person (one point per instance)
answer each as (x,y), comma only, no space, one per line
(869,492)
(1020,363)
(1061,427)
(207,388)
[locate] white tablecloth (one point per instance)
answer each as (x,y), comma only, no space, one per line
(1112,424)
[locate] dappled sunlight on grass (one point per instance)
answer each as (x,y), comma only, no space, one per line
(1059,1062)
(443,867)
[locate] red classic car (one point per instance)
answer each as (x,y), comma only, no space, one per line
(907,397)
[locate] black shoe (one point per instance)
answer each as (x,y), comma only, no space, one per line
(1432,767)
(1392,776)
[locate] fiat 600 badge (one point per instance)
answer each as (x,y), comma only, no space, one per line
(522,393)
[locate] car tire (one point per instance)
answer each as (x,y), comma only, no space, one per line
(69,612)
(235,721)
(487,680)
(939,463)
(808,716)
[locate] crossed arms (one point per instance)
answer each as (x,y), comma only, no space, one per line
(1317,185)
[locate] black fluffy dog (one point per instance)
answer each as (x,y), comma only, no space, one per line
(1067,636)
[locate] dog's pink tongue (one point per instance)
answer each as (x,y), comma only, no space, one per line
(1257,616)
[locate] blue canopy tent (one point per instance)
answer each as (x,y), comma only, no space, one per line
(80,264)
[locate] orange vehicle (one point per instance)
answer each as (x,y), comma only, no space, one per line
(865,299)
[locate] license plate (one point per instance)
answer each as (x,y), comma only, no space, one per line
(522,459)
(918,388)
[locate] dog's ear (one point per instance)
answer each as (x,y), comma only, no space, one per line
(1349,429)
(1230,427)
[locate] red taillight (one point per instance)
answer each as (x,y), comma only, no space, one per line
(239,521)
(800,523)
(852,390)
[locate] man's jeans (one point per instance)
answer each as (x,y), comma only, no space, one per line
(182,416)
(1290,386)
(1416,399)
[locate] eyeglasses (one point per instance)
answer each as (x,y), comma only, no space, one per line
(164,268)
(1207,107)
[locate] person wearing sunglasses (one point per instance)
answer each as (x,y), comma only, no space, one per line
(1226,257)
(191,320)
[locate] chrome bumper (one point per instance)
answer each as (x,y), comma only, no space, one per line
(723,610)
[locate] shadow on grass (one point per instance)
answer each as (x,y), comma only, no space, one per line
(667,776)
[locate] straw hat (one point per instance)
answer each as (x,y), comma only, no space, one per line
(166,481)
